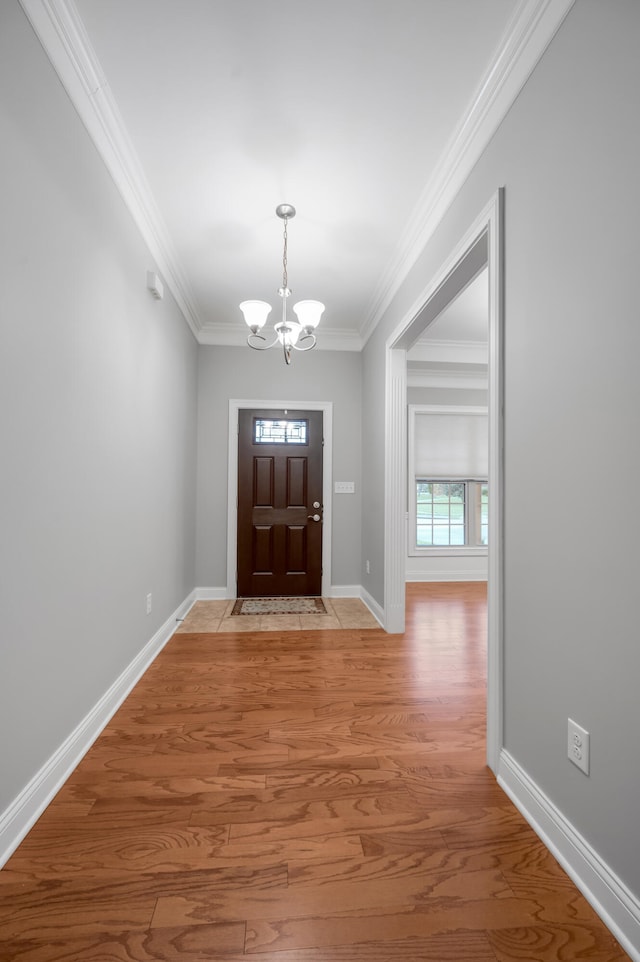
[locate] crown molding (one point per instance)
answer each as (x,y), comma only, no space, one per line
(60,30)
(454,352)
(460,380)
(235,335)
(530,32)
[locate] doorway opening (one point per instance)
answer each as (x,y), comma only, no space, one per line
(279,503)
(235,408)
(482,246)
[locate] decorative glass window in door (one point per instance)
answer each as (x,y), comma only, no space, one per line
(281,431)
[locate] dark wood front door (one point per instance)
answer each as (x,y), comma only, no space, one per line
(279,503)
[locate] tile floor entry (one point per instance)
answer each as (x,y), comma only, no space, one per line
(215,616)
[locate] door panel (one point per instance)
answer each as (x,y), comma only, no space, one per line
(263,482)
(296,542)
(279,486)
(297,489)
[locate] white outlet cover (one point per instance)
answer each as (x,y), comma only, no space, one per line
(578,745)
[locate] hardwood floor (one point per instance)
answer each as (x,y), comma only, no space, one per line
(313,796)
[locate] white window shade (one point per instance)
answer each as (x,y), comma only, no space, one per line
(447,445)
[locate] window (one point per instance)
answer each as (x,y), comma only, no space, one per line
(280,431)
(448,503)
(440,513)
(483,512)
(451,514)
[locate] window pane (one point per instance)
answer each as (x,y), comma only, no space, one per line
(457,535)
(440,513)
(484,514)
(441,536)
(424,536)
(457,512)
(280,432)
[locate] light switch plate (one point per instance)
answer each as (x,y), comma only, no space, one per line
(344,487)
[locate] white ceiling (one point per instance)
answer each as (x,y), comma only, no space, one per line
(453,352)
(466,318)
(361,113)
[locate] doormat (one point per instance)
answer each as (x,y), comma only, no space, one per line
(279,606)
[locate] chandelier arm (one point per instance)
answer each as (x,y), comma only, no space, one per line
(306,337)
(260,337)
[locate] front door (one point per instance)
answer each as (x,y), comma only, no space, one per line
(279,503)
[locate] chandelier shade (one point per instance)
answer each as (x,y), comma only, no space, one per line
(308,313)
(255,314)
(293,334)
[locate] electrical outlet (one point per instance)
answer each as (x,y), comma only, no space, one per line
(578,746)
(367,566)
(149,603)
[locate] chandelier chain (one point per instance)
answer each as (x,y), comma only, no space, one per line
(285,283)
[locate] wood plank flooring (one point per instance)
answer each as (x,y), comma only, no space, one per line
(312,796)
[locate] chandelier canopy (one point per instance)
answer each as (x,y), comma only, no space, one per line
(294,334)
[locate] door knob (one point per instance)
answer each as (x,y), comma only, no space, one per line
(313,517)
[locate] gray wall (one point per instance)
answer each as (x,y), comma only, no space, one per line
(447,396)
(243,374)
(97,421)
(567,154)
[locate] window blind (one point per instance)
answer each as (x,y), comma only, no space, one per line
(451,446)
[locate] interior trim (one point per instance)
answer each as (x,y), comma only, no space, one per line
(616,905)
(232,474)
(532,29)
(18,819)
(484,237)
(61,32)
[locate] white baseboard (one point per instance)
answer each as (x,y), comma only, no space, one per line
(376,610)
(445,575)
(221,594)
(27,808)
(618,908)
(345,591)
(210,594)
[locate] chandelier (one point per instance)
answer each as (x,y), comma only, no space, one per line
(294,334)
